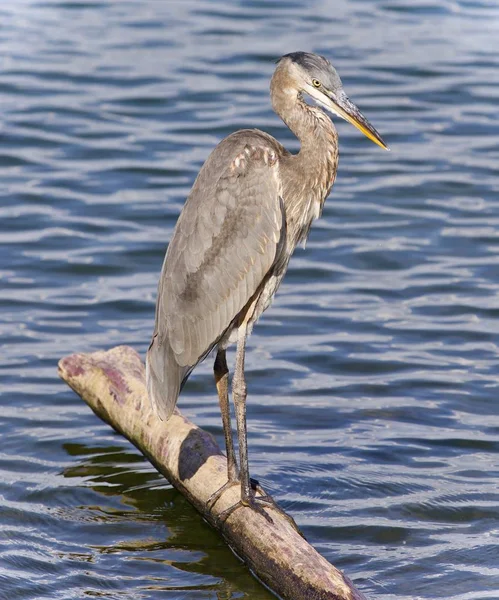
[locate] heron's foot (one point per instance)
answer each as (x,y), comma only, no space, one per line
(271,503)
(215,497)
(258,504)
(255,503)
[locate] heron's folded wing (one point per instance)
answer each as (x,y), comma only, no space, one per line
(224,244)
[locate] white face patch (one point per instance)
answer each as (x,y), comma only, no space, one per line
(322,100)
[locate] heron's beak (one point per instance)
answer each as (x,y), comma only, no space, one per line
(341,105)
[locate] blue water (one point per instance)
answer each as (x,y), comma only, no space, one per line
(373,379)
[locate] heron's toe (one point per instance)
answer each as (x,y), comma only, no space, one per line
(252,503)
(215,497)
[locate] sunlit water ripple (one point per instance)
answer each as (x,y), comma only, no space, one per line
(373,379)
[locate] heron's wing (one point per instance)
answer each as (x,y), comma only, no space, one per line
(224,244)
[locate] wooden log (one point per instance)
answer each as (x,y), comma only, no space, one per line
(113,385)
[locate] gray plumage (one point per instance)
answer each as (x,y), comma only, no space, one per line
(224,244)
(249,207)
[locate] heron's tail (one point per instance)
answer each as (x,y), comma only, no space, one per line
(163,378)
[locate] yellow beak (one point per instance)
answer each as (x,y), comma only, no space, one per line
(346,109)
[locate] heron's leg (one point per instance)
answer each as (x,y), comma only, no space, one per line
(222,382)
(249,487)
(239,393)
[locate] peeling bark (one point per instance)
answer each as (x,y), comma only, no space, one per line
(113,385)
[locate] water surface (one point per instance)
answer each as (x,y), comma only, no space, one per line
(373,410)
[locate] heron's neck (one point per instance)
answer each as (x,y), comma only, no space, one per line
(309,123)
(308,175)
(318,155)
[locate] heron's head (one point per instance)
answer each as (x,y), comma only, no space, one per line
(314,75)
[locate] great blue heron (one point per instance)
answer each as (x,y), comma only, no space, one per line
(251,204)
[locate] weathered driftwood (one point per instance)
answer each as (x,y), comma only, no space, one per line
(112,384)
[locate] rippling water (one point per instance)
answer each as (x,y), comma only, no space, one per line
(373,409)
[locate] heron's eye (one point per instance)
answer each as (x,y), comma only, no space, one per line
(316,83)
